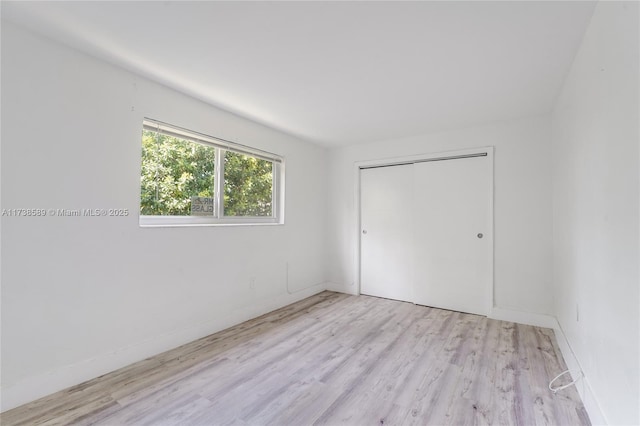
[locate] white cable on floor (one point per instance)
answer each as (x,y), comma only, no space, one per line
(573,382)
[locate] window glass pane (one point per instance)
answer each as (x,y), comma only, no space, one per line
(248,185)
(173,171)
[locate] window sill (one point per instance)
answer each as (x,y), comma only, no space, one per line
(179,221)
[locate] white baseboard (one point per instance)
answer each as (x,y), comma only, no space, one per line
(528,318)
(583,386)
(40,385)
(341,288)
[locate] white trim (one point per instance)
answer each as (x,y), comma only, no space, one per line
(178,221)
(218,190)
(358,165)
(583,386)
(43,384)
(407,159)
(339,288)
(520,317)
(491,234)
(358,227)
(171,130)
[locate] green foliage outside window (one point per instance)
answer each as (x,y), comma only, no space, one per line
(174,170)
(248,184)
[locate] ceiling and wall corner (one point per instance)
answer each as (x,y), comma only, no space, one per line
(338,73)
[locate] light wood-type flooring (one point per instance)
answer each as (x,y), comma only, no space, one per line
(333,359)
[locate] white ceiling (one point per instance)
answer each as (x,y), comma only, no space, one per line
(336,73)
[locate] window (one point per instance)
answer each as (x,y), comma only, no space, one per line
(248,185)
(187,178)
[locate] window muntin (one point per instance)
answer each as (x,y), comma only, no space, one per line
(188,178)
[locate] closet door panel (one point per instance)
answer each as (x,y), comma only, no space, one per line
(452,244)
(386,234)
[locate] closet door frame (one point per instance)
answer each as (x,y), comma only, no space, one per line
(442,156)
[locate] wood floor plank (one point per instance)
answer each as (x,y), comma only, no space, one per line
(333,359)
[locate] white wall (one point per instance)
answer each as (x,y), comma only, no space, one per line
(595,211)
(83,296)
(522,206)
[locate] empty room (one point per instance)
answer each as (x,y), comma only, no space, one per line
(320,213)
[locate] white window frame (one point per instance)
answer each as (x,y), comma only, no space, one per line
(221,146)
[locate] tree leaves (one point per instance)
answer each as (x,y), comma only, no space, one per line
(248,185)
(173,170)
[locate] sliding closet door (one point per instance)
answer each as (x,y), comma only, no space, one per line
(386,234)
(452,234)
